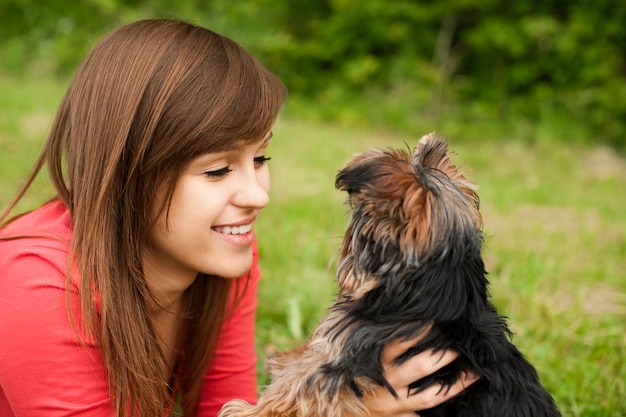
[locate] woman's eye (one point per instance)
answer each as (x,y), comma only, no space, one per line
(218,173)
(261,160)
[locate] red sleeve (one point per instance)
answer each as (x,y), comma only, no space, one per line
(232,373)
(44,370)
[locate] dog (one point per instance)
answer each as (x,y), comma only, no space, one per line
(409,264)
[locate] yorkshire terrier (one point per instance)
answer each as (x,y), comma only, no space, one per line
(409,264)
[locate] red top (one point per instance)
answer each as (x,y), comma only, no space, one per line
(45,371)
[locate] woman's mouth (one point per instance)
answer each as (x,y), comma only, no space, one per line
(234,230)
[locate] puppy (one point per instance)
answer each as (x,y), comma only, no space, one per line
(410,263)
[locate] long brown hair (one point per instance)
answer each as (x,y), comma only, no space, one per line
(147,99)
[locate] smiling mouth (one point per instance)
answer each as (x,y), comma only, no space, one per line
(234,230)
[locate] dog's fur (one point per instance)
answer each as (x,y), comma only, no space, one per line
(410,262)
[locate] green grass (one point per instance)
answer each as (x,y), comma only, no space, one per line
(554,216)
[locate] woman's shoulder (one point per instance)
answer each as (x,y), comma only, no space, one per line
(43,233)
(51,220)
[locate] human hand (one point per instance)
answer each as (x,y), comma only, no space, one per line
(381,403)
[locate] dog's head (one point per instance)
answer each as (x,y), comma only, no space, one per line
(408,210)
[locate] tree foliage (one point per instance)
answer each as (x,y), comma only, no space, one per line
(493,59)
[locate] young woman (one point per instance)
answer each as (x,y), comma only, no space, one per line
(133,291)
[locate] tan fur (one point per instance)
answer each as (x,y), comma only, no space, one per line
(290,396)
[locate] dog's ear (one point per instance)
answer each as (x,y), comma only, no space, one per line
(359,172)
(432,158)
(378,177)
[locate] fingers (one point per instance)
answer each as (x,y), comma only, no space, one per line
(418,367)
(381,403)
(436,395)
(398,347)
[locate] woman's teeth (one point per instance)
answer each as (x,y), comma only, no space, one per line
(235,230)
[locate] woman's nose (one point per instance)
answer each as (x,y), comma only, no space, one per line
(254,190)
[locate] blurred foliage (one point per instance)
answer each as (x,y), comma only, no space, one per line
(399,64)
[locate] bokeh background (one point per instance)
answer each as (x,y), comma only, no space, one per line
(530,93)
(534,67)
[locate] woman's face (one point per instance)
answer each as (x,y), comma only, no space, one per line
(215,203)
